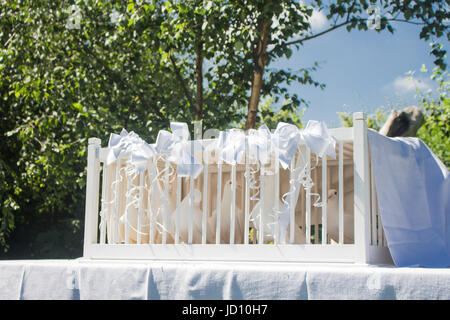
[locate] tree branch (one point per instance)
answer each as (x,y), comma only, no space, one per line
(199,75)
(407,21)
(286,44)
(183,84)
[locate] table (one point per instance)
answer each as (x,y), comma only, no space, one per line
(124,280)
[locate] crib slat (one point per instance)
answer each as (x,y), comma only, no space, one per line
(308,200)
(127,206)
(219,200)
(166,201)
(116,204)
(191,209)
(341,192)
(324,199)
(152,178)
(292,193)
(141,195)
(247,192)
(205,200)
(177,212)
(105,204)
(233,203)
(261,206)
(277,197)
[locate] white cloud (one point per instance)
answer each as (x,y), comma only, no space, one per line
(318,21)
(406,84)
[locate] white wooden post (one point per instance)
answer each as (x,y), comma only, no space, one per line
(105,204)
(233,202)
(219,200)
(205,199)
(277,197)
(247,192)
(191,210)
(127,208)
(261,206)
(324,199)
(291,202)
(165,217)
(151,200)
(308,200)
(362,187)
(177,212)
(92,193)
(341,192)
(140,216)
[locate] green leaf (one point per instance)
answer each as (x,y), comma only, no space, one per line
(238,45)
(77,106)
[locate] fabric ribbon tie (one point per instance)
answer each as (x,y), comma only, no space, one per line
(318,139)
(130,143)
(180,149)
(260,144)
(231,146)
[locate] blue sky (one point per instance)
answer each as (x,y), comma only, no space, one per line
(362,70)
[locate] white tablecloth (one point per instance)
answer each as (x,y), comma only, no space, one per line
(87,279)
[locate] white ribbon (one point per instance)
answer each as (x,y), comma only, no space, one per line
(180,149)
(231,146)
(231,149)
(318,139)
(130,143)
(286,139)
(260,144)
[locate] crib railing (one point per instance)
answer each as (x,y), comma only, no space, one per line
(156,214)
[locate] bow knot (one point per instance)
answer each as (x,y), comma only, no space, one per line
(180,149)
(130,143)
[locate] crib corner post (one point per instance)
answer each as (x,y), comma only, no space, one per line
(361,188)
(92,194)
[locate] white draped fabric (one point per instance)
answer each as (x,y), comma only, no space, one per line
(123,280)
(413,189)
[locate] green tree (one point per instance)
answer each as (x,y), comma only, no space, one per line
(68,73)
(435,131)
(269,116)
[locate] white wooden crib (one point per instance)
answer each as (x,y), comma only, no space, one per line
(216,222)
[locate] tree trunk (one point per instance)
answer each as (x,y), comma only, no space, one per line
(260,60)
(199,78)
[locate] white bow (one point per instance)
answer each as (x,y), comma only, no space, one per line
(180,149)
(139,150)
(231,146)
(318,139)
